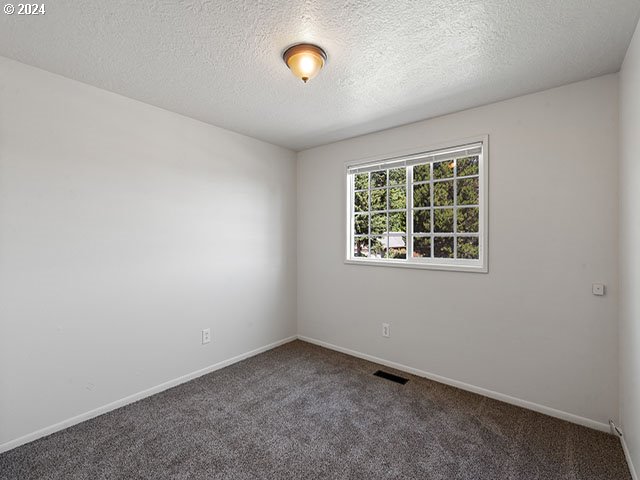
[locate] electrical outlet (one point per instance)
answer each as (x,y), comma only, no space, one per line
(386,330)
(597,289)
(206,335)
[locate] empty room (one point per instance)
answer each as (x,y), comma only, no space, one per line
(246,240)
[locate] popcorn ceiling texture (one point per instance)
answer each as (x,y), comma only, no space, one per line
(389,62)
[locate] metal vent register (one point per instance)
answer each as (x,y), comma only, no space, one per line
(391,376)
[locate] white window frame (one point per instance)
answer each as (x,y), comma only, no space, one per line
(464,265)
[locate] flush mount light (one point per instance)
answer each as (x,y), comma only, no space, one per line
(304,60)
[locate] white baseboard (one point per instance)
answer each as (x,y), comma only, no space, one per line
(11,444)
(414,371)
(627,455)
(570,417)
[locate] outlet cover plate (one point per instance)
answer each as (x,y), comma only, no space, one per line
(386,330)
(206,336)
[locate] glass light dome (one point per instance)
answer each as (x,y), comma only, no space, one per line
(305,60)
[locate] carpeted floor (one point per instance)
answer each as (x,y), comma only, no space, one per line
(304,412)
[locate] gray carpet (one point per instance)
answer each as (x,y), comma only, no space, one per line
(304,412)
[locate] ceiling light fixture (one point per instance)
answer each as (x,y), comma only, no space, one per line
(304,60)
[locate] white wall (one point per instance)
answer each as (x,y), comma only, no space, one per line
(629,254)
(530,328)
(125,230)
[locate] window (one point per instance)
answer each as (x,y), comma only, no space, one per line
(423,210)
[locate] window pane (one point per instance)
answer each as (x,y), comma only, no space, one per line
(398,176)
(361,201)
(468,192)
(378,247)
(467,166)
(421,196)
(422,221)
(421,173)
(468,220)
(468,247)
(361,247)
(378,223)
(379,199)
(443,220)
(361,181)
(397,198)
(397,247)
(443,247)
(443,194)
(422,246)
(379,179)
(361,224)
(443,169)
(398,222)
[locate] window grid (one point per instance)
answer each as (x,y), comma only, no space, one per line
(386,234)
(455,207)
(409,214)
(410,210)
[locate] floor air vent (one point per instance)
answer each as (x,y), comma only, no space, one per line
(391,376)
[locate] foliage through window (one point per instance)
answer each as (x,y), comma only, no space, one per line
(426,209)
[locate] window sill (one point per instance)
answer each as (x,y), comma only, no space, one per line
(420,266)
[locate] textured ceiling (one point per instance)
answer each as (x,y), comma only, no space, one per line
(390,62)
